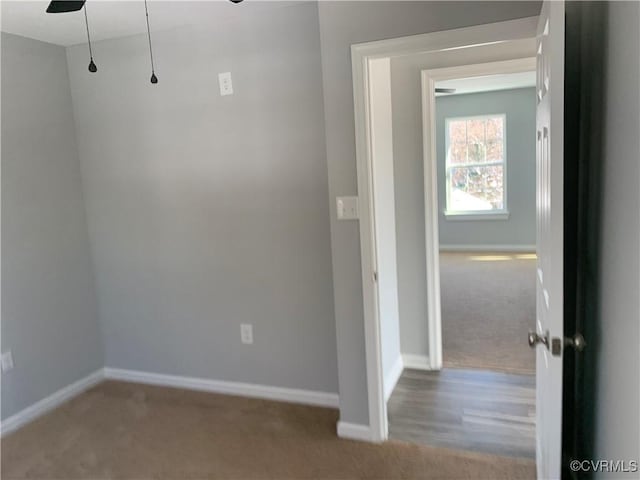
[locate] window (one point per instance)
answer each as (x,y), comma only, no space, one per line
(476,166)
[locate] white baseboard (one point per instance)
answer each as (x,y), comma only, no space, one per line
(49,403)
(354,431)
(416,362)
(392,377)
(488,248)
(306,397)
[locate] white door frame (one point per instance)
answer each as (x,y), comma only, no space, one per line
(487,34)
(429,79)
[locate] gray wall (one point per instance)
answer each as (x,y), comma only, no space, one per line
(206,212)
(618,386)
(49,311)
(520,228)
(341,25)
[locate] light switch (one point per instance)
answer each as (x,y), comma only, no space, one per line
(347,208)
(226,86)
(7,361)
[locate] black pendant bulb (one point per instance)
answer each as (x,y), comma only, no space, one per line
(154,79)
(92,65)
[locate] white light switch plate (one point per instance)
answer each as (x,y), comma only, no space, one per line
(226,85)
(6,361)
(347,208)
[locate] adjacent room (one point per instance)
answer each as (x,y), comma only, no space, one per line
(486,173)
(487,224)
(454,313)
(202,277)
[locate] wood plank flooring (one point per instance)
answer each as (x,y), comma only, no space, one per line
(476,410)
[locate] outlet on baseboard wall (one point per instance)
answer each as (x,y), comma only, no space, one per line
(246,333)
(6,361)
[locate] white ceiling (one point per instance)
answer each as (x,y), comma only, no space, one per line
(117,18)
(489,83)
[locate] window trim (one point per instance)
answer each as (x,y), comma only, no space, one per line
(459,215)
(502,214)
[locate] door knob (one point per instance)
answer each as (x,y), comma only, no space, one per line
(535,339)
(577,342)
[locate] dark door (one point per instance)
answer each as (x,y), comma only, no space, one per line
(584,41)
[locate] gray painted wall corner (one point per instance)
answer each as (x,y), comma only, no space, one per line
(49,310)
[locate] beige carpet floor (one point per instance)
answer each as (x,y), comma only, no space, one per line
(129,431)
(488,306)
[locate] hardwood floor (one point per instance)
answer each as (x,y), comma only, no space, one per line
(475,410)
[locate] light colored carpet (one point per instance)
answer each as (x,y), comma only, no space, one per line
(488,306)
(129,431)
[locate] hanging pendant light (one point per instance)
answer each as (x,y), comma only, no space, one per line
(154,79)
(92,65)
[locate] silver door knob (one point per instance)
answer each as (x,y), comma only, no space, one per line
(577,342)
(534,339)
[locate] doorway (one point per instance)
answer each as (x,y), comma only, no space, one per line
(483,396)
(557,266)
(506,42)
(486,168)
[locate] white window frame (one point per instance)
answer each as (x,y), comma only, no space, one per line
(501,214)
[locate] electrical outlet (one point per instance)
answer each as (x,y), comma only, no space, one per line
(246,333)
(226,85)
(6,361)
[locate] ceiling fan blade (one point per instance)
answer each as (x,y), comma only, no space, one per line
(63,6)
(445,90)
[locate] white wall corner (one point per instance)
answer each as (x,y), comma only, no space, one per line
(392,378)
(47,404)
(355,431)
(416,362)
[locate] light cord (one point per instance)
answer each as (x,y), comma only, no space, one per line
(146,11)
(86,22)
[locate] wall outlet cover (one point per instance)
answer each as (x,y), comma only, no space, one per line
(226,85)
(246,333)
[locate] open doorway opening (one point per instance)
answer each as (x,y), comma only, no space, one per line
(425,400)
(455,54)
(481,394)
(485,144)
